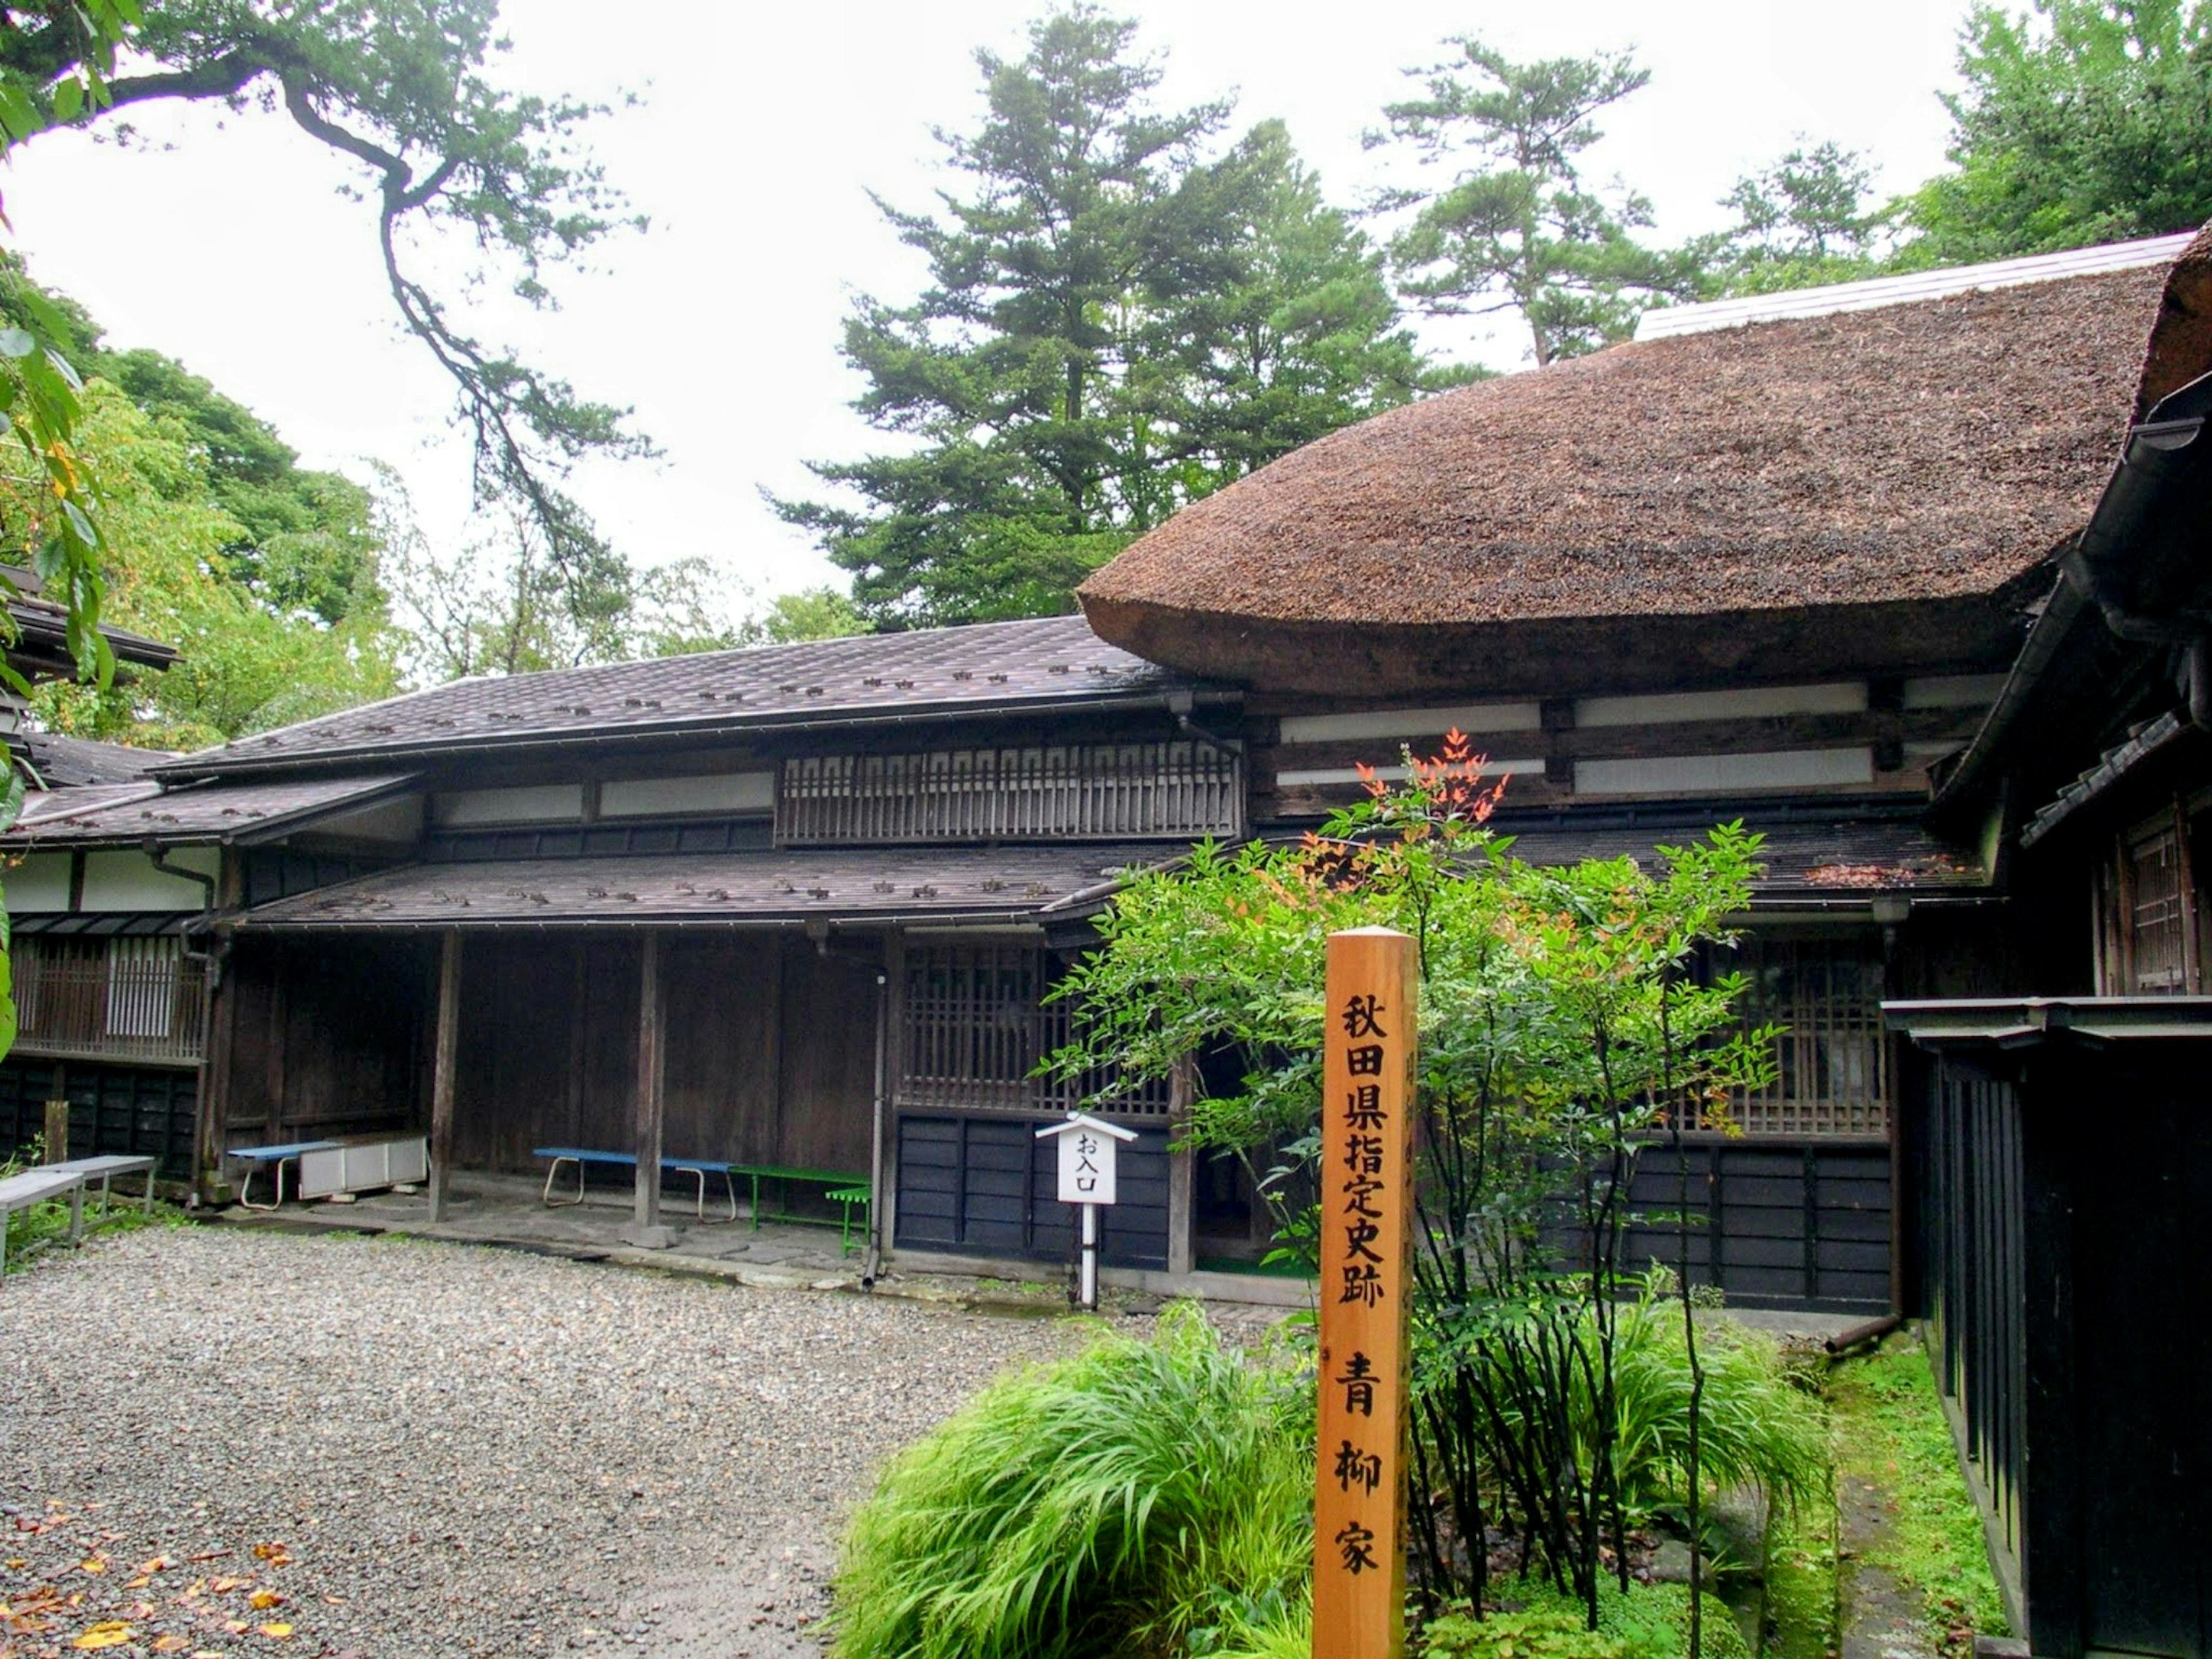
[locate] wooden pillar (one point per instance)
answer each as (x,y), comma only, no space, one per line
(1182,1221)
(645,1228)
(56,1138)
(442,1072)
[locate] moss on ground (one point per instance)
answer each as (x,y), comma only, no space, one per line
(1890,1430)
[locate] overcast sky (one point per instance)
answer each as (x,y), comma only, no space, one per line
(761,131)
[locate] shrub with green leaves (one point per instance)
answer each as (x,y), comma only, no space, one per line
(1113,1502)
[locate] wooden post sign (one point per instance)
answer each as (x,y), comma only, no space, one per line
(1366,1233)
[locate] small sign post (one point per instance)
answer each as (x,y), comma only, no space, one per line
(1086,1180)
(1366,1236)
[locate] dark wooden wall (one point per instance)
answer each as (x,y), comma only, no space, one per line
(987,1186)
(1775,1225)
(323,1038)
(141,1111)
(770,1060)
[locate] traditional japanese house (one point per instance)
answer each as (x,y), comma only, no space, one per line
(797,907)
(2059,1151)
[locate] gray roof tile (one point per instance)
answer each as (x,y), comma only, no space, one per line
(1052,661)
(125,814)
(848,884)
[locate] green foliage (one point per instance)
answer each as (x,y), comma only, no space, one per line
(1645,1621)
(1808,218)
(1514,226)
(1756,1427)
(1146,1487)
(1120,315)
(403,91)
(811,613)
(1890,1434)
(2081,121)
(246,667)
(1558,1020)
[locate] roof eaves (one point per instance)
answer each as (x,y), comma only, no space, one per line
(215,764)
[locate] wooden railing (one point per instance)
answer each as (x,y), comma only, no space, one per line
(136,1000)
(1078,791)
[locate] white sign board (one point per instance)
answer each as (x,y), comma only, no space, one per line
(1086,1157)
(1086,1168)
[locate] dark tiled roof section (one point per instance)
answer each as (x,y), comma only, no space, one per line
(1916,452)
(1848,854)
(42,630)
(855,884)
(65,763)
(210,812)
(1052,661)
(43,805)
(2147,739)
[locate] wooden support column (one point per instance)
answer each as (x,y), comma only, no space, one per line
(1182,1221)
(442,1072)
(645,1229)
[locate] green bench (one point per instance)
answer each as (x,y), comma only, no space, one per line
(839,1187)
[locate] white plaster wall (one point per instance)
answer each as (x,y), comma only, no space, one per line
(727,792)
(39,881)
(544,803)
(128,881)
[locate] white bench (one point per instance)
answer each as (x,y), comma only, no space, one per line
(104,1169)
(20,1192)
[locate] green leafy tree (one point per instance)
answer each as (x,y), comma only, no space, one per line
(1117,318)
(1811,216)
(811,613)
(168,536)
(2081,121)
(1514,226)
(403,91)
(1558,1023)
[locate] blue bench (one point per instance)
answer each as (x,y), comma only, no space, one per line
(256,1157)
(697,1168)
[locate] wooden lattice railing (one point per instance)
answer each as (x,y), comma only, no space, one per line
(124,999)
(974,1027)
(1081,791)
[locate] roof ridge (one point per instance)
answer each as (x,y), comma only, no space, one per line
(1910,287)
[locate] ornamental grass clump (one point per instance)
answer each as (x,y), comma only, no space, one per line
(1107,1503)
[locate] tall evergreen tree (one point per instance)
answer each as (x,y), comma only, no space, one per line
(1810,217)
(1515,226)
(2086,121)
(1118,319)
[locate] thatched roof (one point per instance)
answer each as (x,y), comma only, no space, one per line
(1866,491)
(2181,339)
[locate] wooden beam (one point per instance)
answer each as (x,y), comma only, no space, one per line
(441,1071)
(645,1229)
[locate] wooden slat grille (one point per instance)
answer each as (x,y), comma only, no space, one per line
(1832,1057)
(124,999)
(2157,912)
(1109,791)
(974,1027)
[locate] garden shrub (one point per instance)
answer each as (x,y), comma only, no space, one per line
(1106,1503)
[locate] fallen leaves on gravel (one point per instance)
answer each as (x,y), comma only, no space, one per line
(142,1612)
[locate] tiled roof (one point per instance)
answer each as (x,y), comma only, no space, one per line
(1846,853)
(1052,662)
(848,884)
(2151,738)
(65,763)
(126,814)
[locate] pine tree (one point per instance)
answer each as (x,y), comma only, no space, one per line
(1120,315)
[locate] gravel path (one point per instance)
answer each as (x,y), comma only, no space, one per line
(426,1449)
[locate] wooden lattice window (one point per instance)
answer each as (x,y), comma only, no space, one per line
(1074,791)
(975,1025)
(2155,907)
(1831,1057)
